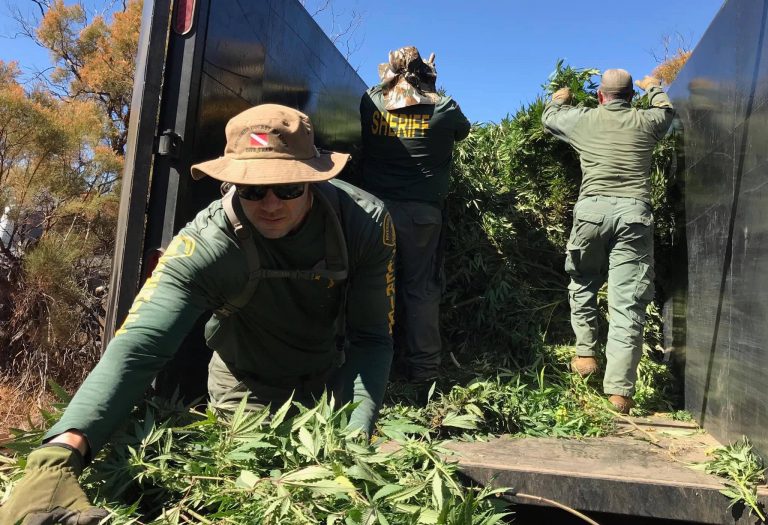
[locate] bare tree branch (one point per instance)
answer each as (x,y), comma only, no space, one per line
(671,45)
(340,26)
(318,9)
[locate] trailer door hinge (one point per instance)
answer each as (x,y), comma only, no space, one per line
(169,144)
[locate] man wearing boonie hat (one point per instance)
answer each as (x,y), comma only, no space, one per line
(408,135)
(287,262)
(612,234)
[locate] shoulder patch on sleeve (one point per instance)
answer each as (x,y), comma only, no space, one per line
(181,246)
(388,231)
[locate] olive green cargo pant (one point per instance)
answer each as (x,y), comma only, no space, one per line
(612,238)
(227,387)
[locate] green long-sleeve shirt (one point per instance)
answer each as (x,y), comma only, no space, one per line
(615,142)
(287,330)
(407,153)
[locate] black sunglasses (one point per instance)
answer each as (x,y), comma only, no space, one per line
(284,192)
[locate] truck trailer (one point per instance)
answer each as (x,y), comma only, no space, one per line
(201,62)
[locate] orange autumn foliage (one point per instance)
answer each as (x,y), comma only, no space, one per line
(95,60)
(667,71)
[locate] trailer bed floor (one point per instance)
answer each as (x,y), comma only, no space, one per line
(643,470)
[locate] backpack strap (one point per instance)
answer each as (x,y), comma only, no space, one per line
(234,211)
(336,254)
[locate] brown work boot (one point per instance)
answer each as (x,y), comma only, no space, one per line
(622,404)
(584,366)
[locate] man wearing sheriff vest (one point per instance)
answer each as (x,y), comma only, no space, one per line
(408,133)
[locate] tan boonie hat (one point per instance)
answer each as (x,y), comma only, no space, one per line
(271,144)
(616,81)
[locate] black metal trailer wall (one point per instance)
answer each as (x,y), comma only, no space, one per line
(273,51)
(236,55)
(722,101)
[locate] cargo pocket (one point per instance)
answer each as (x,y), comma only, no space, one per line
(640,228)
(644,288)
(586,226)
(426,225)
(573,259)
(574,288)
(640,220)
(586,229)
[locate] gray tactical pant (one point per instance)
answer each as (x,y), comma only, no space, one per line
(612,238)
(418,287)
(227,387)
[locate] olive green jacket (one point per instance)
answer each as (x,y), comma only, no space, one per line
(286,331)
(615,142)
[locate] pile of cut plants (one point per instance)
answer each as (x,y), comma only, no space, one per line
(172,465)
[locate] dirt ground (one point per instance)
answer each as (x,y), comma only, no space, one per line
(19,409)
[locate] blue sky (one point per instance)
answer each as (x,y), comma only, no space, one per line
(19,48)
(492,55)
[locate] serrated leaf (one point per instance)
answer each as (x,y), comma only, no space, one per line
(364,472)
(279,416)
(60,394)
(474,409)
(407,492)
(369,517)
(327,487)
(301,420)
(344,481)
(429,516)
(306,440)
(437,491)
(466,421)
(385,491)
(247,479)
(244,451)
(730,494)
(306,474)
(237,416)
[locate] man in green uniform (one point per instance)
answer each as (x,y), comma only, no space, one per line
(408,135)
(276,259)
(612,235)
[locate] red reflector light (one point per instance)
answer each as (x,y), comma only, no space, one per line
(185,14)
(150,263)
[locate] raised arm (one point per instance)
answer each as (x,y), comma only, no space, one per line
(461,123)
(559,117)
(661,113)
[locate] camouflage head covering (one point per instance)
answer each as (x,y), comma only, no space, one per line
(407,80)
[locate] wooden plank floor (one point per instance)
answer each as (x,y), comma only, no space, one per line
(641,471)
